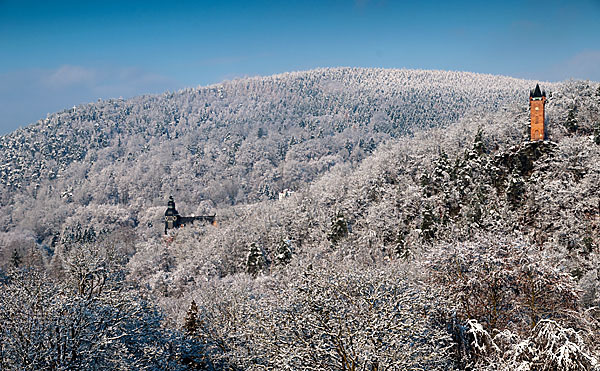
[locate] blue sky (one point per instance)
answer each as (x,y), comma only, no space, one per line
(57,54)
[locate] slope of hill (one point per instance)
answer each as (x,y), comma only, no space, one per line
(480,175)
(505,229)
(239,141)
(302,105)
(459,245)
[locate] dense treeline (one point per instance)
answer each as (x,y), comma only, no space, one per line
(503,232)
(88,318)
(457,246)
(236,142)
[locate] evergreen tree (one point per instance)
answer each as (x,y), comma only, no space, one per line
(255,261)
(400,249)
(261,132)
(16,259)
(441,175)
(428,224)
(284,252)
(571,123)
(478,146)
(338,230)
(190,325)
(426,185)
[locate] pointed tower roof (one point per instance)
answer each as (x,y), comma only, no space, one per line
(537,93)
(171,207)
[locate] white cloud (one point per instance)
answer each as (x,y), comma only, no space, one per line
(130,82)
(28,95)
(70,75)
(105,82)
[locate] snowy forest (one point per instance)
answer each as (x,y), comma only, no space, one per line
(367,219)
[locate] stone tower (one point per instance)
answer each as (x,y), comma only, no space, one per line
(537,102)
(171,215)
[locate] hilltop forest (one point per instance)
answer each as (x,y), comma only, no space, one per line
(367,219)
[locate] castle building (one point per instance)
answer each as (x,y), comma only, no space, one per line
(537,103)
(174,220)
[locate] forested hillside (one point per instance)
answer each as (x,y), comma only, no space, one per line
(236,142)
(422,231)
(481,232)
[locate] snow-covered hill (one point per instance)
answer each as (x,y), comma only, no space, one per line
(422,229)
(239,141)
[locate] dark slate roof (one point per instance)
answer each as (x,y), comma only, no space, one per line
(537,93)
(171,207)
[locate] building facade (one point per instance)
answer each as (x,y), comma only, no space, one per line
(174,220)
(537,103)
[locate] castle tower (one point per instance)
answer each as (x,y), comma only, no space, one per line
(174,220)
(537,102)
(171,215)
